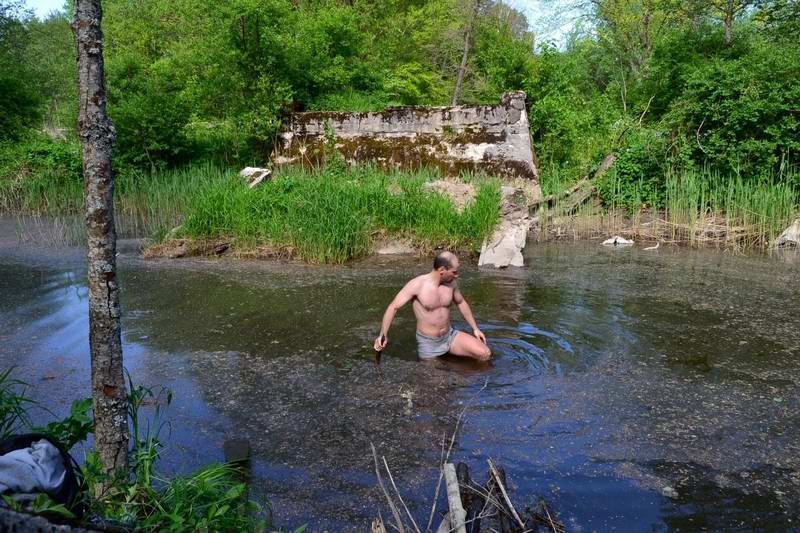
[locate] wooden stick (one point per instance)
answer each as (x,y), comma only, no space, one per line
(457,513)
(446,457)
(377,525)
(444,525)
(392,506)
(493,470)
(438,484)
(399,497)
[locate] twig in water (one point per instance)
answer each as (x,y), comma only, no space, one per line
(550,518)
(447,456)
(438,484)
(494,472)
(392,506)
(416,527)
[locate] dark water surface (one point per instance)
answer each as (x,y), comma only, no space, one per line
(636,391)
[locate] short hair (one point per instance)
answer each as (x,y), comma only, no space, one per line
(443,259)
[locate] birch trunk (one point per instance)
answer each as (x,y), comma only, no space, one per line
(97,142)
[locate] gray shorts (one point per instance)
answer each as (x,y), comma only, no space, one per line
(430,347)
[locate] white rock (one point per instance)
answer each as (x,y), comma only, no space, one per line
(616,240)
(669,492)
(790,236)
(255,176)
(505,247)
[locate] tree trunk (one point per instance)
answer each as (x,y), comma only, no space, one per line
(728,21)
(462,69)
(97,141)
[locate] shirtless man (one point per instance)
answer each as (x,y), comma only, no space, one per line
(432,295)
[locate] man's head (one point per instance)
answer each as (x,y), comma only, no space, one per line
(446,265)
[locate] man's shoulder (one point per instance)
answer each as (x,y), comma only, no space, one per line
(417,282)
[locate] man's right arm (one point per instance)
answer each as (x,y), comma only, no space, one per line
(403,297)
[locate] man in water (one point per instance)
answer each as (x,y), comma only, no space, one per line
(432,294)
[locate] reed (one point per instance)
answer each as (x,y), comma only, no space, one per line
(700,208)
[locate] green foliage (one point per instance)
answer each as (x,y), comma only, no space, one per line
(637,178)
(19,106)
(762,208)
(212,499)
(42,504)
(571,118)
(413,84)
(503,57)
(739,114)
(149,116)
(40,172)
(13,405)
(330,216)
(75,428)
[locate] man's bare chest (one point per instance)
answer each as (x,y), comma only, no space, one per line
(432,298)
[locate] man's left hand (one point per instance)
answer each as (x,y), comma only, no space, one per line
(479,335)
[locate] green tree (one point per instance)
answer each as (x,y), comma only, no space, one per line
(19,105)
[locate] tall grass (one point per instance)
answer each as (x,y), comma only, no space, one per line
(745,212)
(697,208)
(145,204)
(330,216)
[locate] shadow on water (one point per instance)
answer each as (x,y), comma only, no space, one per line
(636,391)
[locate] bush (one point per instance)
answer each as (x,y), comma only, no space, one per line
(637,178)
(40,173)
(740,114)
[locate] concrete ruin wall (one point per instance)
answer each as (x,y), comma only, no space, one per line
(494,139)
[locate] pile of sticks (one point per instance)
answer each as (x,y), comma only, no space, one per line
(473,507)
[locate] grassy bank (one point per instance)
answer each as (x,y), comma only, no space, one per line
(332,215)
(325,216)
(693,208)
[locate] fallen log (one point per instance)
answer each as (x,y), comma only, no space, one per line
(577,194)
(457,513)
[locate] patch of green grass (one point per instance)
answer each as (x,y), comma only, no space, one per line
(758,210)
(331,216)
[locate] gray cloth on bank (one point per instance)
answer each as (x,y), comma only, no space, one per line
(38,468)
(430,347)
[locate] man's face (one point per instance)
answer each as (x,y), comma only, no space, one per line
(450,274)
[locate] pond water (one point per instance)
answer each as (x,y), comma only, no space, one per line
(634,390)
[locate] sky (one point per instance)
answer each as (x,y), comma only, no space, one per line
(540,16)
(42,7)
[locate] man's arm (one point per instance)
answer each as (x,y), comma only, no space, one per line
(466,312)
(403,297)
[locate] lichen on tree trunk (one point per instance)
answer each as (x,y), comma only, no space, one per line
(97,141)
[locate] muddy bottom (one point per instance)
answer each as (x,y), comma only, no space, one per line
(636,391)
